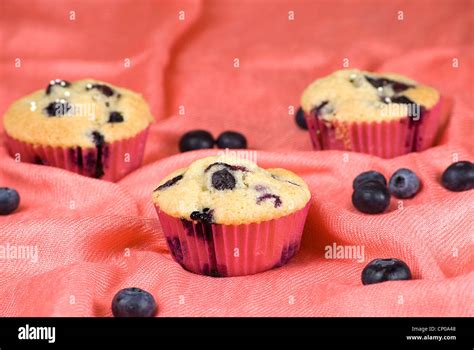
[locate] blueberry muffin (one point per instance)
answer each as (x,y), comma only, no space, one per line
(224,216)
(87,126)
(380,114)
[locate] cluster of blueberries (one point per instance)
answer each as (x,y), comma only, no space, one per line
(371,195)
(202,139)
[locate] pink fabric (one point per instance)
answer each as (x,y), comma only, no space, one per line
(95,237)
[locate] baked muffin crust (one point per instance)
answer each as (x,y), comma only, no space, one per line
(67,114)
(225,190)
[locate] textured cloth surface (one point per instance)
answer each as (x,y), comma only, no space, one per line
(95,237)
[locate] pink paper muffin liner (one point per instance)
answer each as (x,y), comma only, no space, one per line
(385,139)
(233,250)
(110,161)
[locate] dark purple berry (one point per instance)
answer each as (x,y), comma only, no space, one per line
(218,271)
(169,183)
(55,82)
(133,302)
(261,188)
(174,245)
(9,200)
(98,138)
(75,155)
(99,142)
(115,117)
(56,109)
(381,270)
(371,197)
(37,160)
(401,100)
(231,139)
(104,89)
(223,180)
(404,183)
(228,166)
(370,175)
(300,119)
(458,176)
(323,108)
(204,217)
(382,82)
(277,200)
(196,139)
(287,253)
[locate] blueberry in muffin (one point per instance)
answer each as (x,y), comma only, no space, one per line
(219,204)
(80,126)
(381,114)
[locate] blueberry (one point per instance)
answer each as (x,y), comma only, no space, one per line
(54,82)
(115,117)
(57,108)
(98,138)
(381,82)
(381,270)
(277,200)
(218,271)
(323,108)
(261,188)
(196,139)
(104,89)
(370,175)
(404,183)
(300,119)
(231,139)
(371,197)
(37,160)
(133,302)
(401,100)
(99,141)
(458,176)
(174,245)
(287,253)
(9,200)
(223,180)
(228,166)
(169,183)
(204,217)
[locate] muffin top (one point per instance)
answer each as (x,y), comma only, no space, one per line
(68,114)
(226,190)
(358,96)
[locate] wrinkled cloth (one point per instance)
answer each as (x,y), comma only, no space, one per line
(237,65)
